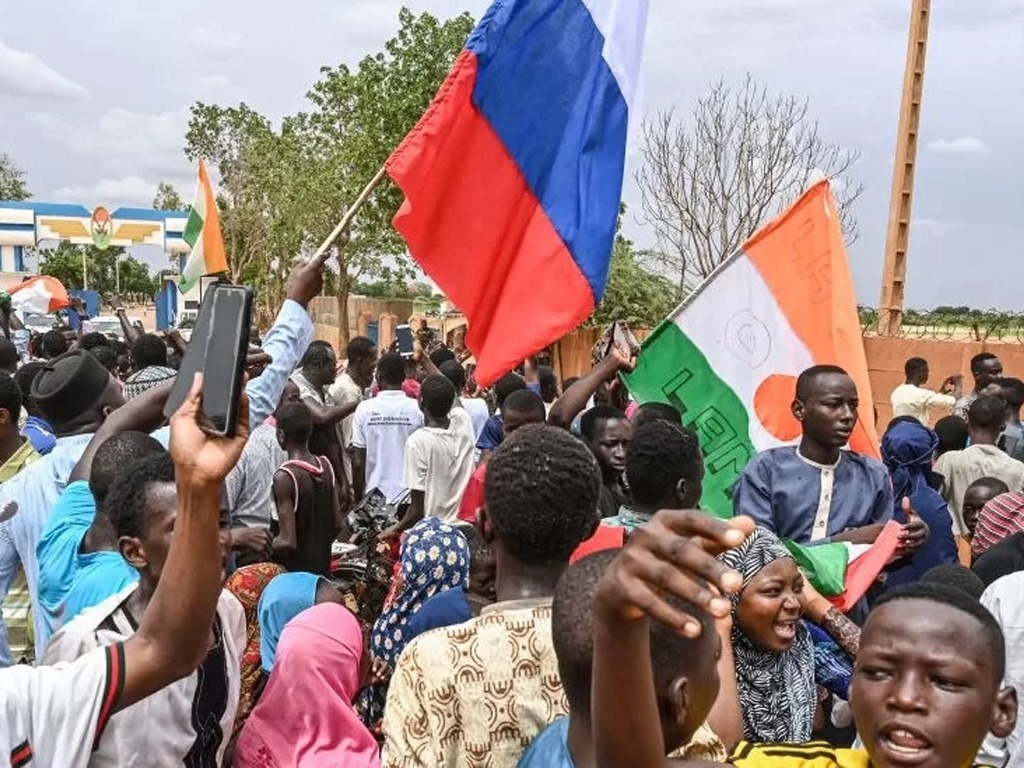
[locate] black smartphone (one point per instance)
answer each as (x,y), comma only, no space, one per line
(218,348)
(403,334)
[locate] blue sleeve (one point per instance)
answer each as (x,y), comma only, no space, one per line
(8,569)
(492,435)
(286,342)
(752,495)
(57,550)
(832,668)
(881,509)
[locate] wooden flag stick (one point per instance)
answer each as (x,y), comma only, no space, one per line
(353,209)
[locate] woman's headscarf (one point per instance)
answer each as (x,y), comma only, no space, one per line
(305,715)
(777,692)
(248,584)
(285,597)
(435,557)
(908,448)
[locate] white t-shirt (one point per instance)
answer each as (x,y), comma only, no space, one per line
(50,716)
(344,391)
(161,729)
(478,412)
(439,462)
(381,426)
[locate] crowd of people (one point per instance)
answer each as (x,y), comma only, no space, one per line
(557,597)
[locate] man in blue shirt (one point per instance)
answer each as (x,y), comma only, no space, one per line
(79,562)
(818,492)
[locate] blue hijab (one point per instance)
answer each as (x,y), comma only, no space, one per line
(907,450)
(285,597)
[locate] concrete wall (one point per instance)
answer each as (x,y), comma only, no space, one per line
(886,357)
(326,314)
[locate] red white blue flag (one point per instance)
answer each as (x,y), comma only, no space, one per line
(513,177)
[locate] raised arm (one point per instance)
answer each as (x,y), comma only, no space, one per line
(328,415)
(819,610)
(674,553)
(287,340)
(574,399)
(131,333)
(172,637)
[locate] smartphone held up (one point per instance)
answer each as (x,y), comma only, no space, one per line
(217,349)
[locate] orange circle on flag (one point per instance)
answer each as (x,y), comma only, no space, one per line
(772,402)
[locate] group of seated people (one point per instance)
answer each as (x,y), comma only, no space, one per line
(558,598)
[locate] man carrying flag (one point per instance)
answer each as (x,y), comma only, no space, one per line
(752,360)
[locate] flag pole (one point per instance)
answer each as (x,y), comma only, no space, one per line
(353,209)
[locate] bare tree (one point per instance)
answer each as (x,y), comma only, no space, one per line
(745,155)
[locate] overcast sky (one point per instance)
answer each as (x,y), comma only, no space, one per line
(94,99)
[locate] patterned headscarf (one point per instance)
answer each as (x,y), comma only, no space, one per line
(247,584)
(435,557)
(777,693)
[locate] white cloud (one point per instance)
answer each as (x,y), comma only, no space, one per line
(934,227)
(129,190)
(961,145)
(25,74)
(213,41)
(213,82)
(124,141)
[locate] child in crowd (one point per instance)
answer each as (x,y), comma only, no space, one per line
(685,676)
(926,690)
(308,508)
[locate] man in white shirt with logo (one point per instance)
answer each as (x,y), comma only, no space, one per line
(380,429)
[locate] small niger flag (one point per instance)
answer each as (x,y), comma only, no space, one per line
(39,295)
(202,232)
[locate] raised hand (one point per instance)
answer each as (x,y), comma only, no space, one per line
(915,531)
(306,280)
(201,458)
(674,553)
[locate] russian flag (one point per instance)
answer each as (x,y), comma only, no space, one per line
(513,177)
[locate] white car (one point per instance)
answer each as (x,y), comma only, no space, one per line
(39,323)
(108,325)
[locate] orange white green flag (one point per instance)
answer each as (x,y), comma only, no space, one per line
(729,356)
(202,233)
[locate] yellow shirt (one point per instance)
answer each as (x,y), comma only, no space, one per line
(20,459)
(812,754)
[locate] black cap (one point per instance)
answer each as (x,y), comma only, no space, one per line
(69,385)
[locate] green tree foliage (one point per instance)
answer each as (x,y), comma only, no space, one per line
(634,294)
(283,190)
(12,180)
(167,198)
(65,263)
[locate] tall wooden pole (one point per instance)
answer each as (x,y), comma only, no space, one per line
(894,275)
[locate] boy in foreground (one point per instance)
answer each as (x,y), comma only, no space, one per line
(54,715)
(926,687)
